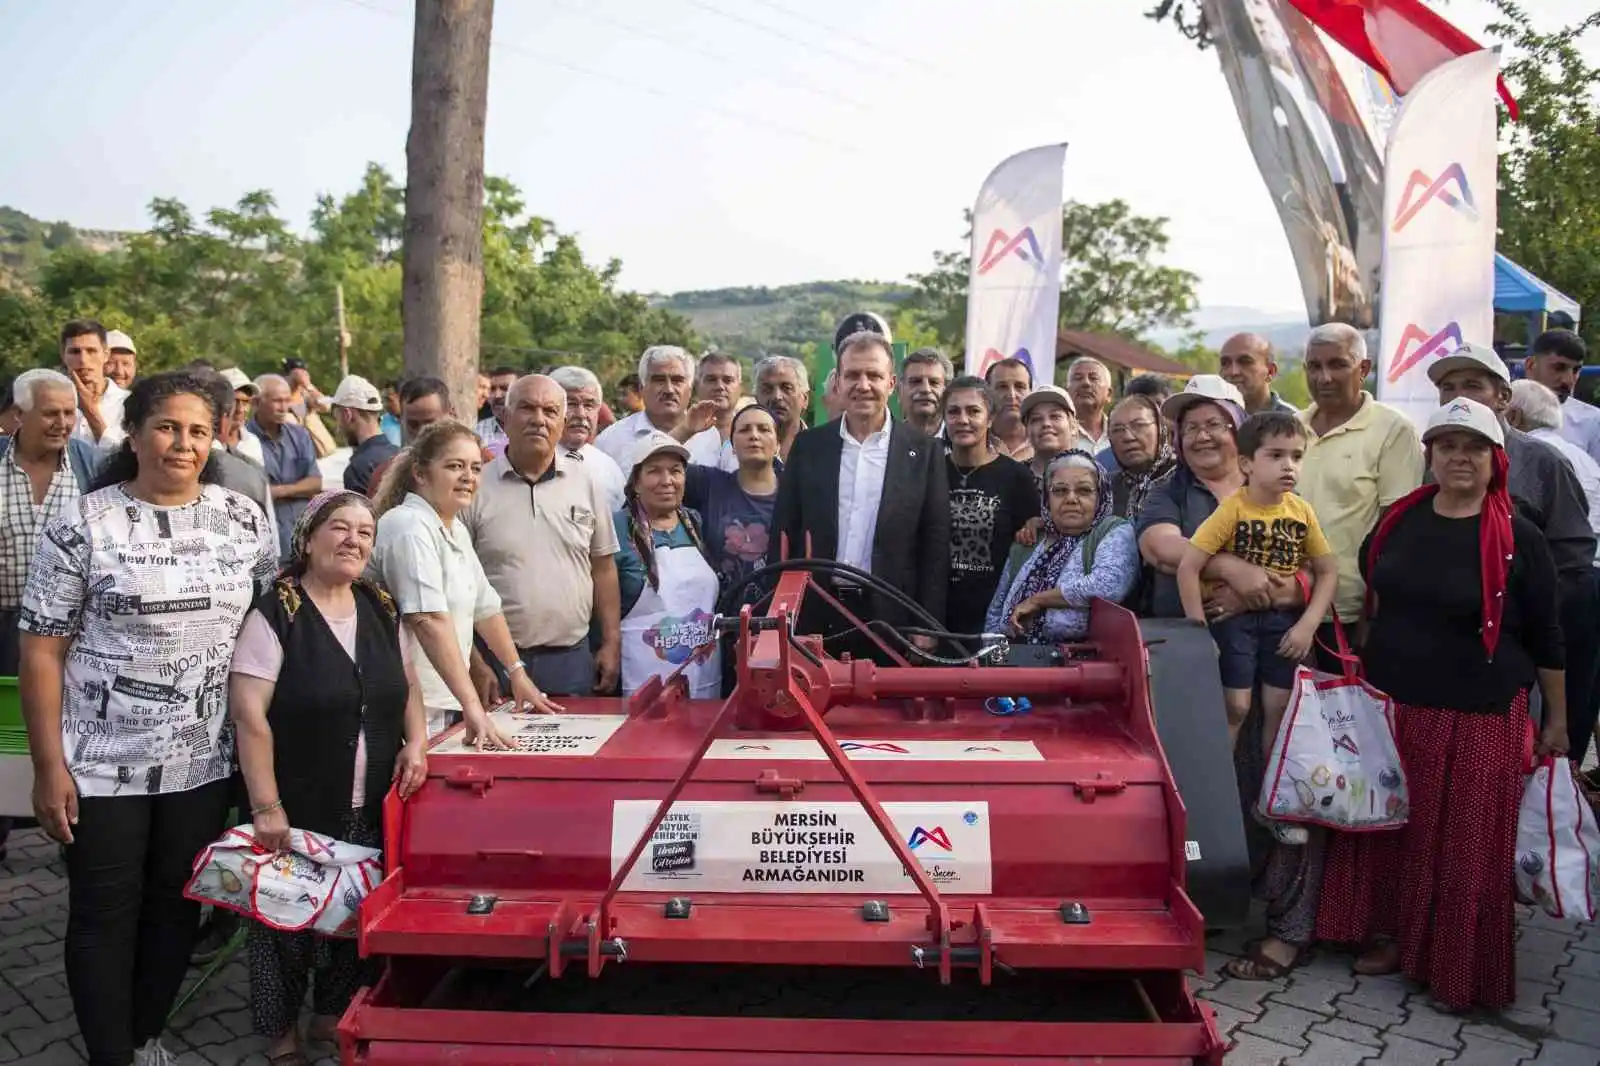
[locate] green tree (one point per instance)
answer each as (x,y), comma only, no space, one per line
(238,287)
(1549,203)
(1111,279)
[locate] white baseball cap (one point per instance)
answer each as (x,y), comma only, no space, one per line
(1469,356)
(1046,394)
(1465,415)
(654,443)
(236,377)
(358,394)
(1202,388)
(118,341)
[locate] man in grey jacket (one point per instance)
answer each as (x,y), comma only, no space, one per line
(1540,477)
(1547,490)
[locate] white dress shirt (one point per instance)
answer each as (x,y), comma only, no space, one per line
(249,446)
(111,402)
(1094,445)
(1587,469)
(726,460)
(862,465)
(620,438)
(1580,424)
(605,472)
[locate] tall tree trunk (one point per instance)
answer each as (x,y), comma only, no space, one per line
(443,254)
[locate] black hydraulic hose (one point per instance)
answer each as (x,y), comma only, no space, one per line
(879,626)
(729,602)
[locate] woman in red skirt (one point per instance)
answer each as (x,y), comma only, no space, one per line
(1464,619)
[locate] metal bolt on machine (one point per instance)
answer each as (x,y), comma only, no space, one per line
(842,862)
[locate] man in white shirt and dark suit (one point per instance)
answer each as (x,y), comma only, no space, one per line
(868,491)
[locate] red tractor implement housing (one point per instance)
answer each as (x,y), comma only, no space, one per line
(843,862)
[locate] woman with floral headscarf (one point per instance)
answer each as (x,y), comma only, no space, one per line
(1462,603)
(669,589)
(1085,553)
(1141,452)
(328,713)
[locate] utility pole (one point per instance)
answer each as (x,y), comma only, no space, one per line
(344,334)
(442,294)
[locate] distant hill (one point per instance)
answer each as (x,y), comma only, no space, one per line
(753,321)
(25,241)
(1286,331)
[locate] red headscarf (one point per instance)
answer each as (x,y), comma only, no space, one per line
(1494,543)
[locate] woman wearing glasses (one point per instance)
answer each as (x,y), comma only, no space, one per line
(1207,416)
(1141,454)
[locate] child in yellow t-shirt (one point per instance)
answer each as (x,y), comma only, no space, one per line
(1266,524)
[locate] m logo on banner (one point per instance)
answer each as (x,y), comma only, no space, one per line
(1435,189)
(994,355)
(1443,343)
(1024,245)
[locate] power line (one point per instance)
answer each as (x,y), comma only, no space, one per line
(875,47)
(775,32)
(557,61)
(627,27)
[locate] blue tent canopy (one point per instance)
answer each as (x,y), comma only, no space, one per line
(1516,291)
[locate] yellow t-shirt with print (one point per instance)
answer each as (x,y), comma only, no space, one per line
(1279,538)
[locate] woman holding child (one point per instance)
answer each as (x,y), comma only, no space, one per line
(1206,418)
(1265,524)
(1455,576)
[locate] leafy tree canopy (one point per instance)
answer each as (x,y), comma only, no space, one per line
(239,287)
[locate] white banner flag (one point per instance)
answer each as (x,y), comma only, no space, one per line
(1014,291)
(1439,229)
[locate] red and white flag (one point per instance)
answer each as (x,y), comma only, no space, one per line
(1400,39)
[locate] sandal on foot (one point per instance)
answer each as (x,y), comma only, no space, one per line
(1257,965)
(1379,960)
(320,1032)
(292,1057)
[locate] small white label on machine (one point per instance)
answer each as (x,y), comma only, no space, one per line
(874,750)
(791,847)
(542,734)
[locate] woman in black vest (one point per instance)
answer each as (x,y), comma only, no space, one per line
(328,714)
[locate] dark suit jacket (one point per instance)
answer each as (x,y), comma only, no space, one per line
(911,544)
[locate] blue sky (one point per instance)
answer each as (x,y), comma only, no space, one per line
(703,142)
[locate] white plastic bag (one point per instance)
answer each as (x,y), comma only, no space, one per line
(1335,762)
(1558,844)
(317,885)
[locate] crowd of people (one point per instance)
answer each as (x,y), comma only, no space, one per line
(201,625)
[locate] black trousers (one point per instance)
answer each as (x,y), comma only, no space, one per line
(10,653)
(284,965)
(1580,627)
(129,929)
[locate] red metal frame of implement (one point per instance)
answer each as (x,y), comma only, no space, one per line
(1087,866)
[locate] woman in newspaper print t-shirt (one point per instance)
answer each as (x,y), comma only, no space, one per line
(128,622)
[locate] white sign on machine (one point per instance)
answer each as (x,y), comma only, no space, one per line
(866,750)
(794,847)
(542,734)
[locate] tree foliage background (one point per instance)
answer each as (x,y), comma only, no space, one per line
(1549,180)
(1112,278)
(240,288)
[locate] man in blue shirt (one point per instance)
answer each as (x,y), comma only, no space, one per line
(288,454)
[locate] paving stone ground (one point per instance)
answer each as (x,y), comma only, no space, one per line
(1319,1016)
